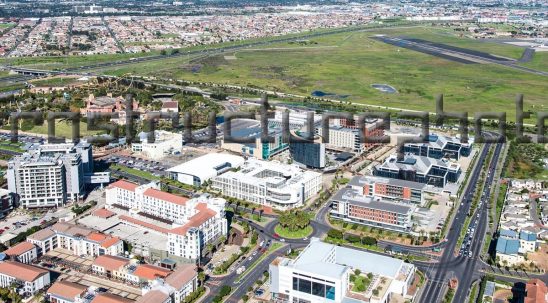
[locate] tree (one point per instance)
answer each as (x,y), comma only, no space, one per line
(335,234)
(294,220)
(201,277)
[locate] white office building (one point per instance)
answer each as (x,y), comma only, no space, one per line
(50,175)
(329,273)
(197,171)
(271,184)
(164,143)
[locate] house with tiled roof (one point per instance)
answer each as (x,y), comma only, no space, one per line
(66,292)
(24,252)
(190,224)
(507,251)
(536,291)
(29,278)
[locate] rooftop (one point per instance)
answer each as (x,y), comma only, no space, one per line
(110,262)
(208,166)
(19,249)
(22,271)
(67,289)
(355,197)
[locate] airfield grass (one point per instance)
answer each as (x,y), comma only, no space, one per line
(348,63)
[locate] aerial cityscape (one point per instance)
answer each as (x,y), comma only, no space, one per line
(156,151)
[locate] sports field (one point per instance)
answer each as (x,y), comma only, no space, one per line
(346,65)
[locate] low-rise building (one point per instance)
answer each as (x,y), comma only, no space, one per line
(24,252)
(392,189)
(322,272)
(77,239)
(30,279)
(419,169)
(438,147)
(256,148)
(164,144)
(272,184)
(353,206)
(199,170)
(67,292)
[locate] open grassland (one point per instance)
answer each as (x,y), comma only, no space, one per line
(347,64)
(539,61)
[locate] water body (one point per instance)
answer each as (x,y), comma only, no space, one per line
(319,94)
(385,88)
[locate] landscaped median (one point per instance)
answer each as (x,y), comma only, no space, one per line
(274,247)
(294,225)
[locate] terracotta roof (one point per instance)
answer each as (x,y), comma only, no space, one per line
(151,272)
(103,213)
(108,298)
(144,224)
(97,237)
(123,184)
(195,221)
(67,289)
(22,271)
(19,249)
(110,262)
(158,194)
(183,274)
(155,296)
(110,241)
(536,291)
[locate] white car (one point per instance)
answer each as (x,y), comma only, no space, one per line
(282,240)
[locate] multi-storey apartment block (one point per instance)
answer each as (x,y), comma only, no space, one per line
(50,175)
(77,239)
(391,189)
(190,224)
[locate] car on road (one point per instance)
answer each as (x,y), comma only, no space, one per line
(282,240)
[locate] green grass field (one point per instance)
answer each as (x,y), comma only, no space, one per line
(63,129)
(286,233)
(347,64)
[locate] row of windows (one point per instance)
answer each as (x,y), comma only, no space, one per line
(314,288)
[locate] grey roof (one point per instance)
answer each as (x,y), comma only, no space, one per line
(362,180)
(489,289)
(317,258)
(440,141)
(413,162)
(352,196)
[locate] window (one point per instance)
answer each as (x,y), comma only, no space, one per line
(295,283)
(330,292)
(305,286)
(318,289)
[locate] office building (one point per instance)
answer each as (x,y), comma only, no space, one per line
(27,278)
(311,155)
(189,224)
(351,205)
(251,130)
(165,143)
(344,135)
(392,189)
(199,170)
(419,169)
(297,120)
(322,273)
(7,203)
(49,175)
(439,147)
(271,184)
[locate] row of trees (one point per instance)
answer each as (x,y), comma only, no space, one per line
(340,235)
